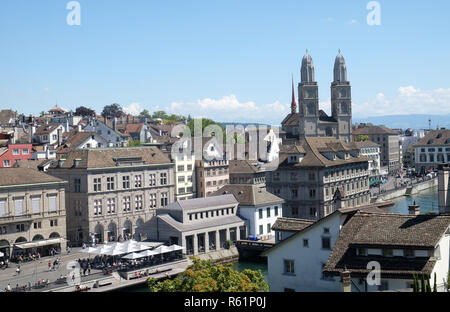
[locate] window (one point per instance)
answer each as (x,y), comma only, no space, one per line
(98,207)
(163,178)
(326,231)
(138,202)
(289,267)
(53,223)
(261,230)
(306,243)
(408,253)
(126,204)
(97,184)
(276,211)
(2,208)
(362,252)
(164,199)
(111,205)
(152,201)
(20,227)
(326,243)
(36,204)
(126,182)
(181,179)
(152,180)
(268,228)
(37,225)
(260,213)
(77,185)
(52,204)
(16,151)
(110,183)
(388,253)
(25,151)
(6,163)
(18,205)
(312,193)
(138,181)
(189,167)
(268,212)
(312,212)
(312,176)
(180,168)
(294,193)
(295,210)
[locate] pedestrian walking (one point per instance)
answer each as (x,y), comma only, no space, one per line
(49,265)
(18,270)
(89,269)
(8,288)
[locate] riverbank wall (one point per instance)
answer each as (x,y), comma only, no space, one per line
(405,191)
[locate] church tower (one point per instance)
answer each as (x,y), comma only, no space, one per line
(308,99)
(341,99)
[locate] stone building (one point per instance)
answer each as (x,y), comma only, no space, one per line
(200,225)
(319,175)
(212,169)
(372,151)
(310,121)
(388,140)
(432,150)
(32,212)
(113,191)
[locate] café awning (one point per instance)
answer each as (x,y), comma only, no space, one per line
(40,243)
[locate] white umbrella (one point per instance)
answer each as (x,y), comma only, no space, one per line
(163,249)
(149,253)
(102,250)
(133,256)
(115,252)
(89,250)
(175,247)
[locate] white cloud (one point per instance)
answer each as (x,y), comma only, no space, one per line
(229,108)
(408,100)
(134,109)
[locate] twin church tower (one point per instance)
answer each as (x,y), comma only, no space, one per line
(310,121)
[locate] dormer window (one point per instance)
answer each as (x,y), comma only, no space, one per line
(361,252)
(388,253)
(408,253)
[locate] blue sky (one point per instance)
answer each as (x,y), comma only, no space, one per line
(226,60)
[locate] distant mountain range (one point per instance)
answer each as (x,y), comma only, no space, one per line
(417,121)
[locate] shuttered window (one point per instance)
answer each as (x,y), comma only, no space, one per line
(52,203)
(36,205)
(19,206)
(2,208)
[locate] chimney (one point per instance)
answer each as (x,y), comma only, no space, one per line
(443,192)
(79,129)
(59,131)
(414,210)
(346,281)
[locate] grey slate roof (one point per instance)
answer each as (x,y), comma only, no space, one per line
(203,202)
(387,231)
(249,195)
(23,176)
(204,224)
(291,224)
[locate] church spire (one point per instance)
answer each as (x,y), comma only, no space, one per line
(307,70)
(293,103)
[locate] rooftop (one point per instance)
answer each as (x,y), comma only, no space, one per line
(24,176)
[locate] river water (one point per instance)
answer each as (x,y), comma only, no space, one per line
(427,200)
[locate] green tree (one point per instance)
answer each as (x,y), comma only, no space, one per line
(132,143)
(113,110)
(145,113)
(422,284)
(84,111)
(435,283)
(362,137)
(160,114)
(204,276)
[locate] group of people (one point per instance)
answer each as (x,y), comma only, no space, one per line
(56,264)
(26,257)
(85,266)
